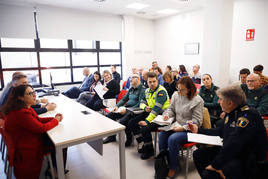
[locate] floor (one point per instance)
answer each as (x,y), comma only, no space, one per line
(85,163)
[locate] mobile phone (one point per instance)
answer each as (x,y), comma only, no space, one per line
(85,112)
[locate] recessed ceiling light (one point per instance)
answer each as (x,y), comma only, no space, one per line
(141,12)
(137,6)
(99,0)
(167,11)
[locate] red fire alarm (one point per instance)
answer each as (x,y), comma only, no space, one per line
(250,34)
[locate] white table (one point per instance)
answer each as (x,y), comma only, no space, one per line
(77,128)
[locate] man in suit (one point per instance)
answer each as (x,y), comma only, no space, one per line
(116,75)
(74,92)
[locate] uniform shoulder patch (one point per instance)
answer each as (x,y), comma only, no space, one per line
(245,108)
(226,120)
(161,93)
(242,122)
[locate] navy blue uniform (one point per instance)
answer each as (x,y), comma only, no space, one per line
(244,145)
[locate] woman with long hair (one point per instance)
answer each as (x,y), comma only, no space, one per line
(27,131)
(185,107)
(85,96)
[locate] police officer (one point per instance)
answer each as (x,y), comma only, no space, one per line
(154,102)
(244,140)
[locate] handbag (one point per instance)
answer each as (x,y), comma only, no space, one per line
(161,165)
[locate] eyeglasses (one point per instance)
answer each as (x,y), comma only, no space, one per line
(181,90)
(31,93)
(250,81)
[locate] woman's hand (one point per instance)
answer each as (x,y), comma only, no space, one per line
(218,171)
(105,89)
(193,127)
(59,117)
(178,129)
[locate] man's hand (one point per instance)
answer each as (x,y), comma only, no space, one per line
(142,123)
(218,171)
(123,111)
(222,115)
(51,106)
(165,117)
(148,109)
(193,127)
(115,109)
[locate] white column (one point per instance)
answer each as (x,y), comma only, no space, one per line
(218,18)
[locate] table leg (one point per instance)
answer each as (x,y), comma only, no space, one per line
(122,155)
(60,168)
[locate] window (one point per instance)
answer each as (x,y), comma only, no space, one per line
(84,58)
(84,44)
(109,45)
(54,59)
(53,43)
(18,59)
(109,58)
(18,43)
(58,76)
(32,76)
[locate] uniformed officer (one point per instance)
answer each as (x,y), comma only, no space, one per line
(244,140)
(154,102)
(257,96)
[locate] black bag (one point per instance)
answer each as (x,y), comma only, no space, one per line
(161,165)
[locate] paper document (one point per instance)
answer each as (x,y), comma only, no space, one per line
(120,109)
(109,103)
(159,120)
(170,126)
(204,139)
(99,90)
(135,110)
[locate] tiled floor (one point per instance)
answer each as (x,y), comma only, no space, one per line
(85,163)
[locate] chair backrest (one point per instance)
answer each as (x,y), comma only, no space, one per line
(267,141)
(10,146)
(124,84)
(206,119)
(121,95)
(198,86)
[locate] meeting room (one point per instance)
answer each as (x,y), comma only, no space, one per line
(126,89)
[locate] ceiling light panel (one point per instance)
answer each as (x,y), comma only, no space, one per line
(168,11)
(137,6)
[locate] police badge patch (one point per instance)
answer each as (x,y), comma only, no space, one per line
(242,122)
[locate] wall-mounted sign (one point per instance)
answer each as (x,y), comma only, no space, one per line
(250,34)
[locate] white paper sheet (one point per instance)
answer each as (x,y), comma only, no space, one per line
(170,127)
(159,120)
(99,90)
(204,139)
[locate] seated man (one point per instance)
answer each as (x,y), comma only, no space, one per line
(134,71)
(154,102)
(21,79)
(257,96)
(131,99)
(74,92)
(244,140)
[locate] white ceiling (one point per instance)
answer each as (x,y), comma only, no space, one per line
(117,6)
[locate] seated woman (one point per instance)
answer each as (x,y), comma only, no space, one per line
(185,106)
(112,88)
(208,94)
(27,131)
(169,83)
(85,96)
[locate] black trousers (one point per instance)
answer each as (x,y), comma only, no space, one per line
(95,103)
(145,131)
(124,120)
(204,156)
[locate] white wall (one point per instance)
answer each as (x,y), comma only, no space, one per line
(172,33)
(138,44)
(249,14)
